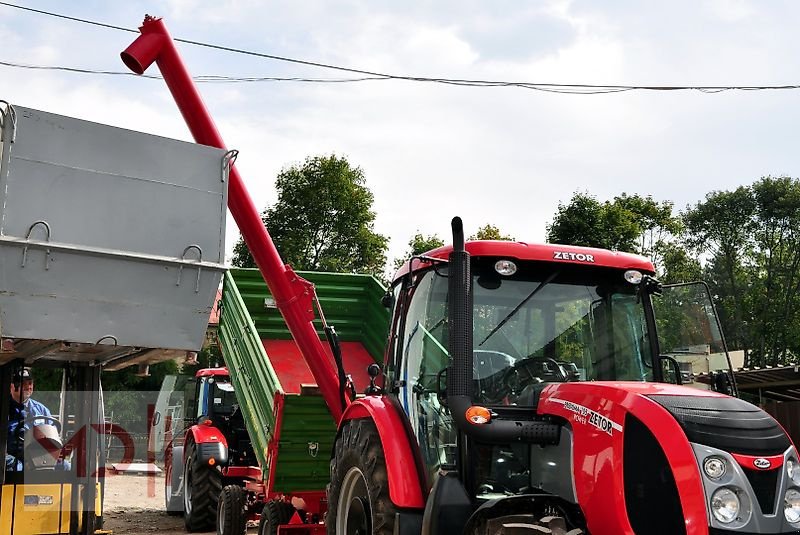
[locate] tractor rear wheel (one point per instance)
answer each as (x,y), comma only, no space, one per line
(201,487)
(231,516)
(358,494)
(275,514)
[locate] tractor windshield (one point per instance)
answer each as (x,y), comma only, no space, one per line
(546,323)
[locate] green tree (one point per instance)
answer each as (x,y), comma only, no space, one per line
(776,313)
(587,222)
(323,219)
(722,227)
(418,245)
(677,265)
(490,232)
(658,227)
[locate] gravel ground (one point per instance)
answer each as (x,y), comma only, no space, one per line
(134,505)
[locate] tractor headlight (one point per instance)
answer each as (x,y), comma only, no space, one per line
(725,505)
(714,467)
(791,505)
(793,471)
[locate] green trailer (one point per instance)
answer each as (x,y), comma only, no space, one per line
(290,427)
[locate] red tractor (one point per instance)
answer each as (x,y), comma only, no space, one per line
(526,389)
(212,451)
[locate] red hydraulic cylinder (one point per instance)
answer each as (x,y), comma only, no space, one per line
(292,294)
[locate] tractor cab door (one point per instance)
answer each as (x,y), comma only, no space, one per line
(168,418)
(191,397)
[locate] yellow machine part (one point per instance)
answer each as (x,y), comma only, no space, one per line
(40,509)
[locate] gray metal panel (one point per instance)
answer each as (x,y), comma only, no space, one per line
(106,187)
(122,207)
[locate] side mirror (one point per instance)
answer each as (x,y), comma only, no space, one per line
(387,300)
(373,370)
(670,366)
(721,382)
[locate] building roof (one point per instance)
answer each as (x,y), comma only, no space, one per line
(778,383)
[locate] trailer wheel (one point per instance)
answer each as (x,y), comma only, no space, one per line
(201,487)
(231,517)
(275,513)
(358,494)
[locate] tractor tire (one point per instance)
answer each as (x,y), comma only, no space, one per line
(172,503)
(358,494)
(202,485)
(231,515)
(274,514)
(528,525)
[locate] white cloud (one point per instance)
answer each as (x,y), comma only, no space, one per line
(502,156)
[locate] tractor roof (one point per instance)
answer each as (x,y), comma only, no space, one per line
(547,252)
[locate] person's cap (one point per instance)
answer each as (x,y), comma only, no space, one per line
(23,375)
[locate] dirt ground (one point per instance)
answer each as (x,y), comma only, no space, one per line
(134,505)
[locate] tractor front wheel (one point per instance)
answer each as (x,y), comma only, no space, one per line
(231,516)
(358,494)
(202,484)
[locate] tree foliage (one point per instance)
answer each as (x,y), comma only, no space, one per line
(629,223)
(751,238)
(418,245)
(323,219)
(490,232)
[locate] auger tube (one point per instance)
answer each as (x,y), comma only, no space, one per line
(293,295)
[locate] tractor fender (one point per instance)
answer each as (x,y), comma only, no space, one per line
(599,414)
(210,443)
(175,456)
(407,483)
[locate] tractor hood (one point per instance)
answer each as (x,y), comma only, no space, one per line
(654,440)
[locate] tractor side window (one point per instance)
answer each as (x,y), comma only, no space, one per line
(202,398)
(424,357)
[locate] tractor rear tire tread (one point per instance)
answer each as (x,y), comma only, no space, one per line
(206,482)
(359,445)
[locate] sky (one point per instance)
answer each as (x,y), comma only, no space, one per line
(504,156)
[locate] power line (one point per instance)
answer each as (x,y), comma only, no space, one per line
(366,75)
(208,78)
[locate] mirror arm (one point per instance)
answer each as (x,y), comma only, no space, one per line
(675,366)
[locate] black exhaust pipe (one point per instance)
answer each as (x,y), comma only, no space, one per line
(459,375)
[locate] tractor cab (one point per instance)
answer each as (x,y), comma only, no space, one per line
(542,315)
(210,404)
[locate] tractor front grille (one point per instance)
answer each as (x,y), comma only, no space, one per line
(765,486)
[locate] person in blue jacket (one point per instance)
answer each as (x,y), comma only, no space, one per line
(22,407)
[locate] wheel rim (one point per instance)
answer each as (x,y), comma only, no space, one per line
(221,522)
(353,512)
(187,487)
(168,486)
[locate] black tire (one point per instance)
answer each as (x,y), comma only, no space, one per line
(202,485)
(273,515)
(172,503)
(358,494)
(231,515)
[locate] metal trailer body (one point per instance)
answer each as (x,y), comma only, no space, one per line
(290,427)
(90,280)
